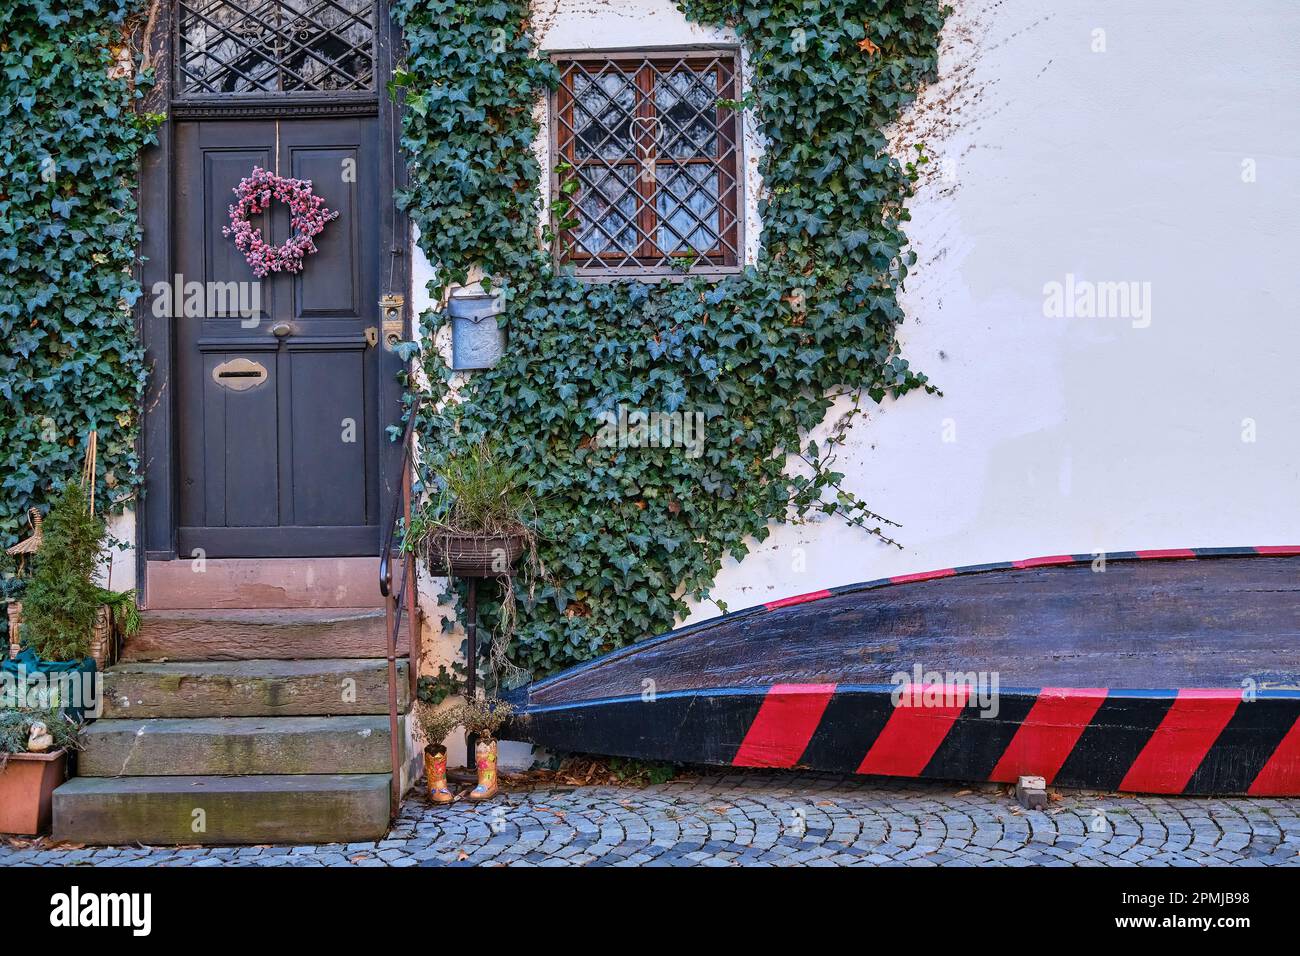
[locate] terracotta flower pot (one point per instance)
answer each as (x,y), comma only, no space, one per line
(27,785)
(474,556)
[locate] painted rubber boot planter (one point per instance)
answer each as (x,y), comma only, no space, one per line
(485,758)
(435,771)
(27,784)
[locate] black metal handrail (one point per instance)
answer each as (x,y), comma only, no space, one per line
(395,604)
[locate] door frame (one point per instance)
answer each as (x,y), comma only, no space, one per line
(157,511)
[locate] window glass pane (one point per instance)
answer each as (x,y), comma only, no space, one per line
(654,157)
(272,46)
(603,107)
(686,102)
(607,208)
(687,203)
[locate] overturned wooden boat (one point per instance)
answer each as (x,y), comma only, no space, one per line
(1149,671)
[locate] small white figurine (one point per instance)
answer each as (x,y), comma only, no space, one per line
(40,739)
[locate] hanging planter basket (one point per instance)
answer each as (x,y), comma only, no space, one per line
(474,556)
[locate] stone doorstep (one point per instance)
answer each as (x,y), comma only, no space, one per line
(261,634)
(237,745)
(252,688)
(280,808)
(263,583)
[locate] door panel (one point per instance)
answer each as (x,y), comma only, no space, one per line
(333,290)
(278,411)
(327,387)
(239,444)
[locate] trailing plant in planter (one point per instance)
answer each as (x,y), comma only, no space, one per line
(485,716)
(478,520)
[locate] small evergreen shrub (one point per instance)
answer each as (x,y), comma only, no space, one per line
(62,600)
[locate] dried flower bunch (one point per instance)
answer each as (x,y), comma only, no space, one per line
(483,716)
(437,722)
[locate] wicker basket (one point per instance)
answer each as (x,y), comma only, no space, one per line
(103,640)
(15,624)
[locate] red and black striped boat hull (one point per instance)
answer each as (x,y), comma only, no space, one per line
(1157,672)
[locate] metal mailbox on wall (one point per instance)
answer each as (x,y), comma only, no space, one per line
(477,341)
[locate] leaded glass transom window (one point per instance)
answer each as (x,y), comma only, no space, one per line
(275,46)
(646,151)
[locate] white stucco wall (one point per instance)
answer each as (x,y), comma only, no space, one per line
(1054,157)
(1085,434)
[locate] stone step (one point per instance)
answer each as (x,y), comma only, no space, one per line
(285,808)
(261,633)
(208,746)
(263,582)
(261,688)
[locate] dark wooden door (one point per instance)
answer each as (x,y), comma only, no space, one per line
(277,412)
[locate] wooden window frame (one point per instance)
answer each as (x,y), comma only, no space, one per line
(725,258)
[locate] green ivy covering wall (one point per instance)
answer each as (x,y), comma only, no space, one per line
(69,140)
(630,533)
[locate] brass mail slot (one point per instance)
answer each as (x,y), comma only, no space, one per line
(240,374)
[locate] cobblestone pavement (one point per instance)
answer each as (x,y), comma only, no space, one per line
(779,819)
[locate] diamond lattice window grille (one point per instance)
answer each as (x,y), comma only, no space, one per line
(274,46)
(651,161)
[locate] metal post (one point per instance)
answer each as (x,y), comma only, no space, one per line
(471,661)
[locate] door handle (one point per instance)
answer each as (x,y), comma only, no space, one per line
(282,330)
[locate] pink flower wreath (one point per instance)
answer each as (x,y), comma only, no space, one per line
(307,213)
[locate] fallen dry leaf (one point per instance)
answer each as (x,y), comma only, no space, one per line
(867,47)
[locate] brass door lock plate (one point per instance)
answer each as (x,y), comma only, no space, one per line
(390,310)
(372,336)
